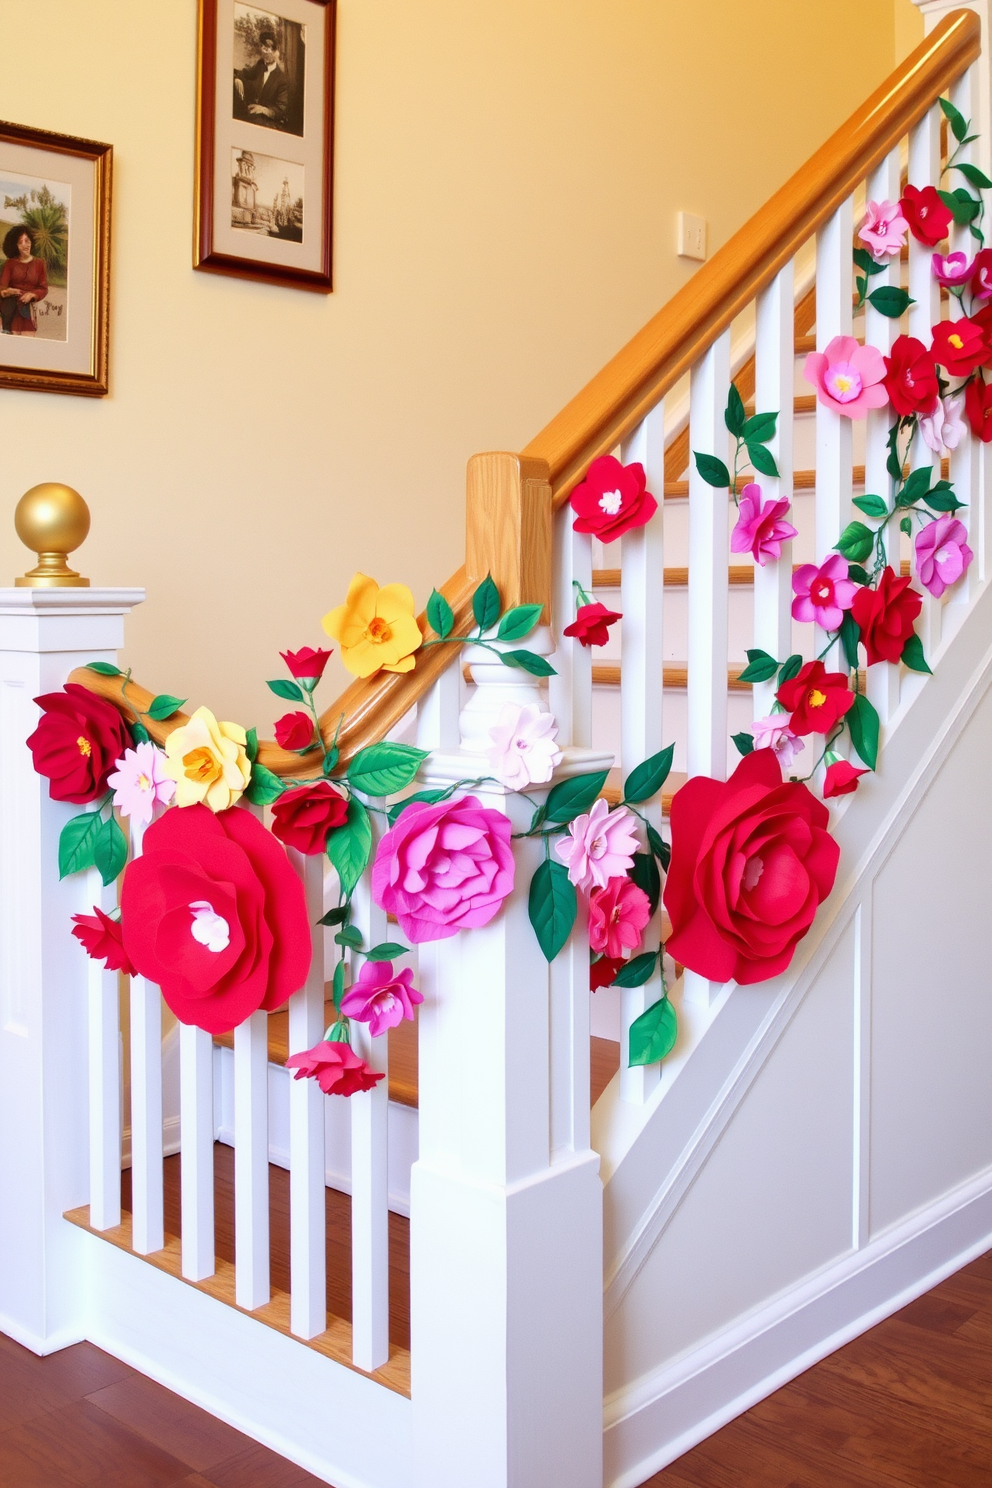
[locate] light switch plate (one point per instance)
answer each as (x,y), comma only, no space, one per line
(692,236)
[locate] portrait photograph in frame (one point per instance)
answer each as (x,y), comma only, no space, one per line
(54,261)
(264,141)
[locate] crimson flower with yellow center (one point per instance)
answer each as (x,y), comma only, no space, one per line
(376,628)
(816,698)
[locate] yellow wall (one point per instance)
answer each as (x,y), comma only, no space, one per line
(508,173)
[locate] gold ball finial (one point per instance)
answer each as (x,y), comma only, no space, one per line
(52,520)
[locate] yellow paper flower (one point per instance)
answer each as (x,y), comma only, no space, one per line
(208,762)
(375,627)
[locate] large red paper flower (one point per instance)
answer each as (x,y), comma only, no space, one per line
(751,862)
(910,377)
(886,616)
(101,938)
(591,626)
(304,817)
(77,743)
(959,345)
(978,407)
(213,912)
(816,698)
(926,214)
(612,499)
(336,1067)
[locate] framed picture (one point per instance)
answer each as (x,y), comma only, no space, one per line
(54,261)
(264,141)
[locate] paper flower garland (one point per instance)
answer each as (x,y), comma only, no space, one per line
(376,628)
(77,743)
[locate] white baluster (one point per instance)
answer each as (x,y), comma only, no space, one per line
(104,1070)
(774,359)
(251,1162)
(570,691)
(307,1195)
(834,288)
(642,604)
(924,170)
(964,461)
(437,713)
(196,1106)
(148,1229)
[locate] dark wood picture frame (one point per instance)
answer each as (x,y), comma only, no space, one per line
(206,255)
(95,344)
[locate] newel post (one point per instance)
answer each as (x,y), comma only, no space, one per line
(506,1198)
(44,978)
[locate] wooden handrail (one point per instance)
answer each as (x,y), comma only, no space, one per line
(616,400)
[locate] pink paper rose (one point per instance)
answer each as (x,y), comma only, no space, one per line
(847,377)
(617,916)
(760,529)
(952,268)
(884,229)
(381,997)
(599,846)
(942,554)
(336,1067)
(444,868)
(824,593)
(775,734)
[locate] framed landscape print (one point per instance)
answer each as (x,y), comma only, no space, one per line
(264,150)
(54,261)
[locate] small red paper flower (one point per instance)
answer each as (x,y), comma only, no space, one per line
(751,862)
(612,499)
(617,916)
(336,1067)
(303,818)
(77,743)
(294,731)
(591,626)
(101,938)
(959,345)
(306,665)
(885,616)
(926,214)
(978,407)
(841,779)
(214,914)
(816,698)
(981,281)
(910,377)
(604,972)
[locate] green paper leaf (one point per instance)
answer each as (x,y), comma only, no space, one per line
(856,542)
(850,635)
(713,471)
(335,916)
(889,300)
(860,285)
(383,769)
(762,459)
(734,415)
(957,121)
(527,661)
(743,742)
(912,655)
(906,525)
(349,936)
(862,720)
(440,615)
(942,498)
(330,760)
(653,1034)
(974,175)
(519,622)
(337,985)
(791,667)
(659,847)
(389,950)
(760,667)
(139,733)
(570,798)
(760,427)
(865,262)
(637,971)
(552,906)
(647,778)
(164,706)
(350,847)
(251,745)
(431,797)
(486,604)
(963,207)
(916,486)
(857,574)
(872,506)
(644,873)
(264,787)
(77,843)
(110,852)
(105,668)
(292,692)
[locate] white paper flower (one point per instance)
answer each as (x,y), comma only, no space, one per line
(944,428)
(209,928)
(775,734)
(524,751)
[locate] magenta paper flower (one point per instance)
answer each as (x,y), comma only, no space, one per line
(775,734)
(140,783)
(599,846)
(944,428)
(847,377)
(523,750)
(942,554)
(444,868)
(760,529)
(381,997)
(617,916)
(823,594)
(952,268)
(884,229)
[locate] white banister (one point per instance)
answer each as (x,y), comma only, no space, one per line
(834,472)
(196,1108)
(147,1177)
(924,170)
(104,1074)
(774,375)
(307,1195)
(251,1162)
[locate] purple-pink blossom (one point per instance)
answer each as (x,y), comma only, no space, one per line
(942,554)
(824,593)
(944,428)
(847,377)
(599,846)
(140,783)
(760,529)
(618,914)
(952,268)
(775,734)
(884,229)
(381,997)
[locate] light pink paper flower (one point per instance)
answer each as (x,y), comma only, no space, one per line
(617,916)
(381,997)
(775,734)
(847,377)
(824,593)
(760,529)
(884,229)
(599,846)
(944,428)
(942,553)
(140,783)
(952,268)
(524,751)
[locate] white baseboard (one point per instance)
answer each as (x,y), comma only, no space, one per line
(32,1341)
(658,1418)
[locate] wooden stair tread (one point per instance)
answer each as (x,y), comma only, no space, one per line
(739,575)
(676,675)
(802,480)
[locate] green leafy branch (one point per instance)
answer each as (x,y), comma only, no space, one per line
(511,625)
(751,435)
(967,210)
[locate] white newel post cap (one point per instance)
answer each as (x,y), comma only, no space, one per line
(65,620)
